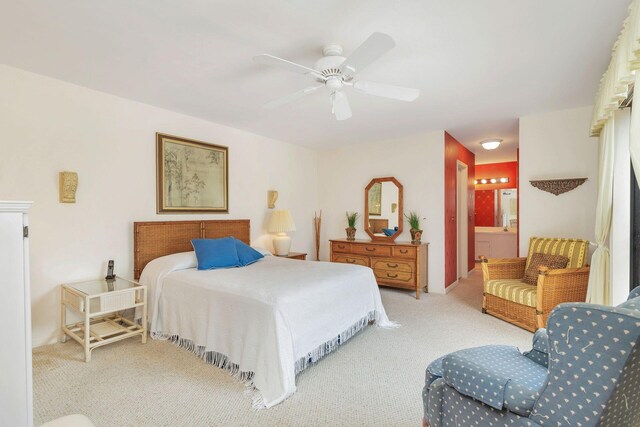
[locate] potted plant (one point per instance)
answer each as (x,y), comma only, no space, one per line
(414,222)
(352,218)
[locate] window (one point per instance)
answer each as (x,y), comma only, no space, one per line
(635,232)
(634,239)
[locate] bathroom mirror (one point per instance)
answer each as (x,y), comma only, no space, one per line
(497,208)
(383,209)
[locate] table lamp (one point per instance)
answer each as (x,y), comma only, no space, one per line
(281,223)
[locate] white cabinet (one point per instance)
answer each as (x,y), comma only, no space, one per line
(494,242)
(16,400)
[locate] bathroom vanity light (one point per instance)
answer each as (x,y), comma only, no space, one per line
(502,180)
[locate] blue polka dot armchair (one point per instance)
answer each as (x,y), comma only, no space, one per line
(583,370)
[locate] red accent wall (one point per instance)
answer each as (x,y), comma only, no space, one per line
(497,170)
(454,151)
(485,208)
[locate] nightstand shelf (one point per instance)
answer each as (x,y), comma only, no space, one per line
(100,303)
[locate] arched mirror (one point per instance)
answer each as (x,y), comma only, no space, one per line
(383,209)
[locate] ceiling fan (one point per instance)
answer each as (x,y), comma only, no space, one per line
(335,72)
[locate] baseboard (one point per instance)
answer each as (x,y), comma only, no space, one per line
(451,286)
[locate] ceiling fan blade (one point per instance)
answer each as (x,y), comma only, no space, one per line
(373,48)
(340,106)
(388,91)
(274,61)
(291,97)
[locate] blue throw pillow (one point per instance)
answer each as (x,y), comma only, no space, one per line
(216,253)
(246,254)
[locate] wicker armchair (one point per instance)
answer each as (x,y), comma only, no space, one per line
(528,306)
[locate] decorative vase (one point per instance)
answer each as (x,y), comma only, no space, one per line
(351,233)
(416,236)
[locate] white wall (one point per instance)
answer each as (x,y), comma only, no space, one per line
(50,126)
(417,162)
(557,145)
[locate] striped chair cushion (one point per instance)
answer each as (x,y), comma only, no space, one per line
(574,249)
(513,290)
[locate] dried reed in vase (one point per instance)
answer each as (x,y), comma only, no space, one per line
(317,221)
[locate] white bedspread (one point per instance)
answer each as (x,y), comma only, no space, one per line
(262,317)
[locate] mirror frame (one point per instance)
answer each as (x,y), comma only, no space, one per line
(400,208)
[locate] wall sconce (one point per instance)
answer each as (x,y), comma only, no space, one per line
(502,180)
(272,196)
(68,187)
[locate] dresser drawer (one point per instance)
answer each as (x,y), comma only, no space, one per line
(340,247)
(351,259)
(392,265)
(402,278)
(404,251)
(373,250)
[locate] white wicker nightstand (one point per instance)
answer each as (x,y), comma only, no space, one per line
(100,303)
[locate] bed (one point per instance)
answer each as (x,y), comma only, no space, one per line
(265,322)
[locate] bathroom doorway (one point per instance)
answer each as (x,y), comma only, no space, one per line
(496,218)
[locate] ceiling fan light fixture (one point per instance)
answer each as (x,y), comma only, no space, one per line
(334,83)
(491,144)
(334,71)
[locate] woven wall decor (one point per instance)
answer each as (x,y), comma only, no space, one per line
(558,186)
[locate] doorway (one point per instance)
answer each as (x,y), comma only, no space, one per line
(462,214)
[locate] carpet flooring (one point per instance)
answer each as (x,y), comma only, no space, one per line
(375,379)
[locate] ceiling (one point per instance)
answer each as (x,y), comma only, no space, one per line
(479,64)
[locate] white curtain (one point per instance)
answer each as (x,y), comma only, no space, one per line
(599,290)
(615,87)
(617,81)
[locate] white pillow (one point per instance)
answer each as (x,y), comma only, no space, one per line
(263,251)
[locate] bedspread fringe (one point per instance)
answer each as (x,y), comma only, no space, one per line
(211,357)
(246,377)
(329,346)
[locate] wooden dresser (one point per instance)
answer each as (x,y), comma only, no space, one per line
(395,264)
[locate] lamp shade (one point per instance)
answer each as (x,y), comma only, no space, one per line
(281,222)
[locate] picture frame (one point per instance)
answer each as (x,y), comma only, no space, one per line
(192,176)
(375,199)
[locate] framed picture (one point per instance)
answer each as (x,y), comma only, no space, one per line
(375,199)
(193,176)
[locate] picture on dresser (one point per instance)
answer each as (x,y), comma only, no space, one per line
(375,199)
(192,176)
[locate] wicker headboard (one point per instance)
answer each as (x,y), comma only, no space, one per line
(154,239)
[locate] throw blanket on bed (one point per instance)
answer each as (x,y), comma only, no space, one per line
(261,321)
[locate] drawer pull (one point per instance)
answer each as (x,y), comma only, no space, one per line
(370,249)
(393,276)
(351,260)
(404,251)
(392,265)
(341,246)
